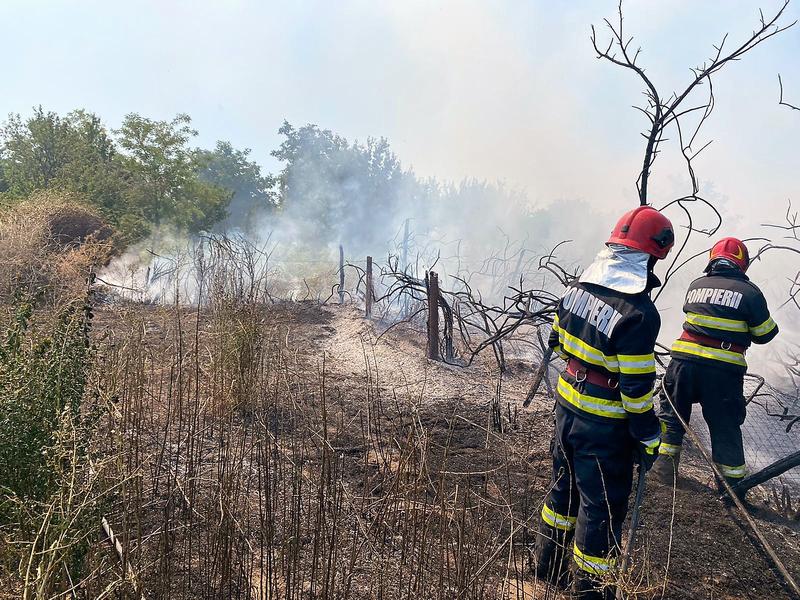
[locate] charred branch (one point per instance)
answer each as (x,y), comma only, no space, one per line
(780,98)
(660,111)
(476,323)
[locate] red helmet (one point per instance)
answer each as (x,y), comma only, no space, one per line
(644,229)
(731,249)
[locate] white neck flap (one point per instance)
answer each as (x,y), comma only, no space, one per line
(618,268)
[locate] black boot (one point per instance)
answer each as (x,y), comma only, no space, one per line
(551,556)
(588,587)
(666,468)
(723,491)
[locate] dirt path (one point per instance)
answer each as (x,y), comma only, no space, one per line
(705,550)
(396,357)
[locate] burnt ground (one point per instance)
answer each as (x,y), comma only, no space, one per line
(711,551)
(690,545)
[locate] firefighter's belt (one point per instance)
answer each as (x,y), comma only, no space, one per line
(581,373)
(710,342)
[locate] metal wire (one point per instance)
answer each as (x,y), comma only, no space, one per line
(771,430)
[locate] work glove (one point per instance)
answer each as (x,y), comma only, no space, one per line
(647,453)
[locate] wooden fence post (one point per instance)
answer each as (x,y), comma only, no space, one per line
(433,316)
(341,274)
(368,298)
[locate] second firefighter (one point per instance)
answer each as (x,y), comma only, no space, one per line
(725,313)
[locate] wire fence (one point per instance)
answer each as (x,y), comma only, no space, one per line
(771,430)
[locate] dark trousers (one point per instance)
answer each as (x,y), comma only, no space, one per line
(720,393)
(592,479)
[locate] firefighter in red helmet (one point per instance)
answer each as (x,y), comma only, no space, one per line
(725,313)
(605,328)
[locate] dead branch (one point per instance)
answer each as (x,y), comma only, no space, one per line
(480,324)
(780,98)
(661,112)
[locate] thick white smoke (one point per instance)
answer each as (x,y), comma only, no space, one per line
(512,92)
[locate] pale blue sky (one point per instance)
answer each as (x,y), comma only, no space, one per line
(500,90)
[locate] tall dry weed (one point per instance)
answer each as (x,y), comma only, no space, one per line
(48,244)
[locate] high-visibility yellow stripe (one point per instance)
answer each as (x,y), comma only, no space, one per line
(596,565)
(651,444)
(638,405)
(734,358)
(560,351)
(556,327)
(603,407)
(669,449)
(557,520)
(580,349)
(716,322)
(636,364)
(729,471)
(764,328)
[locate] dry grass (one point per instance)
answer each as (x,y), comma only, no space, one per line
(252,449)
(48,245)
(275,452)
(257,472)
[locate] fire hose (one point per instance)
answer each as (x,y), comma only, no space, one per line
(637,508)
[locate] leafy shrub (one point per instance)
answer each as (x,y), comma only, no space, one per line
(50,497)
(42,378)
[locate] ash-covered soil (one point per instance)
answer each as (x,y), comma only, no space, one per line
(690,545)
(711,551)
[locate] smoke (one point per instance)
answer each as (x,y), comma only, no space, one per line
(509,133)
(360,197)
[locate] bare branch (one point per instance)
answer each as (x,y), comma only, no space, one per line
(661,114)
(780,99)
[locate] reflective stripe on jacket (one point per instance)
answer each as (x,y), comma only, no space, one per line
(614,334)
(727,307)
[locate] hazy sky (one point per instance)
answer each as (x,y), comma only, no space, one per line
(499,90)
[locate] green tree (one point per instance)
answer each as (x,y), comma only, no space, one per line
(74,153)
(164,169)
(144,174)
(232,170)
(48,151)
(94,170)
(35,150)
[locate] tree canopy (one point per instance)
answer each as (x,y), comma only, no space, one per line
(345,187)
(143,175)
(252,194)
(147,174)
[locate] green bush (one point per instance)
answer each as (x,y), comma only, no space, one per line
(42,378)
(50,493)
